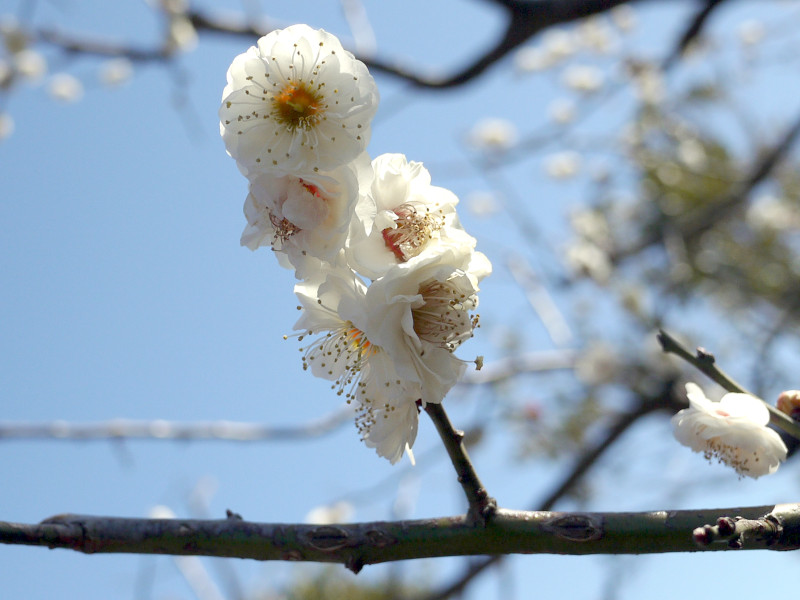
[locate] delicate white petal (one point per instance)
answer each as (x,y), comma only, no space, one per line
(297,102)
(403,216)
(733,431)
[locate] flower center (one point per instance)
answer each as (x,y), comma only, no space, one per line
(412,232)
(444,318)
(284,228)
(297,106)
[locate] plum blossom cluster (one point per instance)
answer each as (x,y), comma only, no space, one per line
(733,430)
(387,276)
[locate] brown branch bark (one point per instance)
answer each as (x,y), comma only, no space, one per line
(359,544)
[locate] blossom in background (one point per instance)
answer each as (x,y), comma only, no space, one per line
(297,102)
(493,135)
(789,403)
(733,430)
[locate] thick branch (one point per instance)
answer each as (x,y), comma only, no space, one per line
(359,544)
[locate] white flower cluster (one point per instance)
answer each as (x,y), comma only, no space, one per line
(733,430)
(388,277)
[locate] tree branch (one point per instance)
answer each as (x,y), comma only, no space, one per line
(359,544)
(481,505)
(582,465)
(129,429)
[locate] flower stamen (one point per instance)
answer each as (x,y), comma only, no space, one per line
(298,107)
(412,232)
(444,318)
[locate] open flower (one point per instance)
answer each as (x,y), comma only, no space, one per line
(297,102)
(402,216)
(733,430)
(422,310)
(342,348)
(306,218)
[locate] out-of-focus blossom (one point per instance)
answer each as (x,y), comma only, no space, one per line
(585,79)
(531,59)
(181,35)
(339,512)
(595,34)
(789,403)
(65,87)
(587,259)
(562,165)
(562,111)
(623,16)
(692,154)
(493,135)
(6,125)
(15,37)
(559,44)
(733,430)
(30,64)
(116,71)
(483,204)
(751,32)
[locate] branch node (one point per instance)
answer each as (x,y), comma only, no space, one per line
(355,564)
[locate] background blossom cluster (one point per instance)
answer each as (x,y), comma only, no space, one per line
(387,276)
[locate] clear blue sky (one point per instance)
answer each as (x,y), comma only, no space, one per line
(124,293)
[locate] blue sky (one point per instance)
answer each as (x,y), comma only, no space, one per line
(125,293)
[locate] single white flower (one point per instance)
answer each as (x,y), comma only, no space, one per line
(733,430)
(6,125)
(563,165)
(65,87)
(343,349)
(30,64)
(116,72)
(583,78)
(493,135)
(402,216)
(420,311)
(297,102)
(339,512)
(303,217)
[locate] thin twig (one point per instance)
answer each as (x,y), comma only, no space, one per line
(129,429)
(481,505)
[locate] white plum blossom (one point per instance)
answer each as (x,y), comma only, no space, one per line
(401,217)
(297,102)
(733,430)
(305,217)
(422,310)
(343,349)
(65,87)
(493,135)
